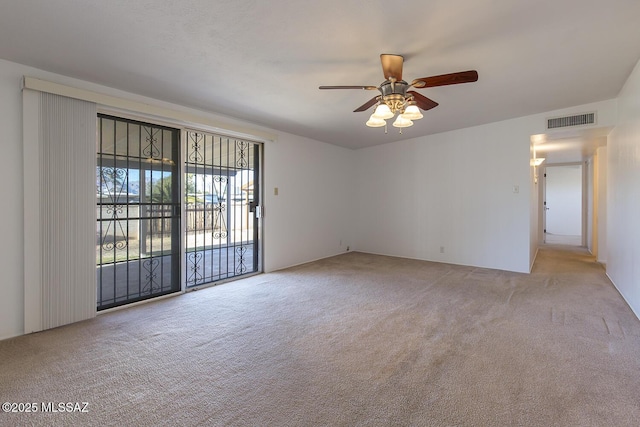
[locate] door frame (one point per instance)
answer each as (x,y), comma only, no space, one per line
(170,213)
(183,127)
(583,202)
(258,230)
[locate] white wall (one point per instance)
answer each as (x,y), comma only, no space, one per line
(601,215)
(306,221)
(534,208)
(590,195)
(597,205)
(564,200)
(453,190)
(312,215)
(12,224)
(623,194)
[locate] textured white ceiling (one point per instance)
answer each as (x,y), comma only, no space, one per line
(263,61)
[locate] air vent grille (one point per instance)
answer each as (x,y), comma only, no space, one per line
(568,121)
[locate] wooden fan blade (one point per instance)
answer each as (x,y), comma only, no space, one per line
(349,87)
(422,101)
(392,66)
(446,79)
(367,105)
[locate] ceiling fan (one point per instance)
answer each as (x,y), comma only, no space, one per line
(396,98)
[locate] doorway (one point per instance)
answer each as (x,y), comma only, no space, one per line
(563,201)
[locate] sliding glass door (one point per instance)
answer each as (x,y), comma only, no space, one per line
(156,217)
(222,208)
(138,210)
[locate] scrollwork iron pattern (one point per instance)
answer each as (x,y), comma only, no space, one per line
(220,208)
(151,150)
(194,260)
(114,181)
(219,221)
(151,275)
(196,142)
(242,161)
(241,268)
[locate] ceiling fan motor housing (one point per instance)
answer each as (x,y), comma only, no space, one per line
(394,88)
(394,94)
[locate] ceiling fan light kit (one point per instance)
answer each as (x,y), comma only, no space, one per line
(395,98)
(402,122)
(383,112)
(412,112)
(375,122)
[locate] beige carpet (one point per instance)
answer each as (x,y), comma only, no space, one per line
(353,340)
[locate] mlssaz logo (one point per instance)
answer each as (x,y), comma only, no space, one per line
(65,407)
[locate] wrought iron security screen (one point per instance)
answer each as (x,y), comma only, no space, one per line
(138,202)
(222,183)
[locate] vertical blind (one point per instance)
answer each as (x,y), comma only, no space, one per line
(60,216)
